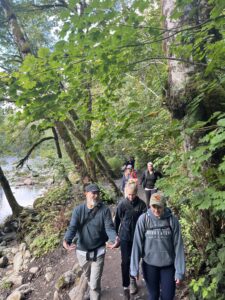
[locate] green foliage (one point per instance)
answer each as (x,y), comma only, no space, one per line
(43,231)
(5,285)
(43,244)
(212,286)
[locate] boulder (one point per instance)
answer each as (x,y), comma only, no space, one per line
(33,270)
(78,292)
(65,281)
(16,295)
(15,279)
(22,247)
(28,181)
(17,262)
(3,261)
(49,276)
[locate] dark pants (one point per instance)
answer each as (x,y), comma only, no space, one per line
(159,278)
(148,194)
(125,248)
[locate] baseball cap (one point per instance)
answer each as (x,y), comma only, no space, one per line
(129,166)
(92,188)
(158,199)
(150,163)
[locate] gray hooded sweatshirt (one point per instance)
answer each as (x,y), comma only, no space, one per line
(158,242)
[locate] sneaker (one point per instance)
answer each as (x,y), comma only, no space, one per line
(126,294)
(133,286)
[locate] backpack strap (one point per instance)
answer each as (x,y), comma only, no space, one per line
(148,225)
(91,215)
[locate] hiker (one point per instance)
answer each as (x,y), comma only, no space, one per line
(127,214)
(92,224)
(126,176)
(148,180)
(130,161)
(158,241)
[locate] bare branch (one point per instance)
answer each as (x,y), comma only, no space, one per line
(22,161)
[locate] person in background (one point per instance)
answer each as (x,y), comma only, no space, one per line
(127,214)
(148,181)
(130,161)
(92,224)
(158,241)
(126,176)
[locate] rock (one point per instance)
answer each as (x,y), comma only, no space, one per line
(16,295)
(27,254)
(20,292)
(48,276)
(56,296)
(66,280)
(15,279)
(22,247)
(33,270)
(25,289)
(14,250)
(78,292)
(3,261)
(8,237)
(77,270)
(3,243)
(17,262)
(48,269)
(28,181)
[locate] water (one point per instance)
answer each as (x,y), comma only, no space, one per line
(25,196)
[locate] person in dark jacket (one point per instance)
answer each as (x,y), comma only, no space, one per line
(127,214)
(92,224)
(158,241)
(148,181)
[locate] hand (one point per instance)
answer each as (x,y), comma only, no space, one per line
(115,245)
(178,282)
(68,247)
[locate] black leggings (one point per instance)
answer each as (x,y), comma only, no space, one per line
(148,194)
(125,248)
(159,278)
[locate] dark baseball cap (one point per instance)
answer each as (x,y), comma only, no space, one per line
(92,188)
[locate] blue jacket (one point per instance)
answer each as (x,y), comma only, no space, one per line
(158,242)
(93,234)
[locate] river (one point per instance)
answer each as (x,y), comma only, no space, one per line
(24,194)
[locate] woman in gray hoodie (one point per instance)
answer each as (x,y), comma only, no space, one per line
(158,241)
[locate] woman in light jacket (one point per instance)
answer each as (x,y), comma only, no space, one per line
(158,241)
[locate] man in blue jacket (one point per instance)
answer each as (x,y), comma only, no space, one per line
(92,224)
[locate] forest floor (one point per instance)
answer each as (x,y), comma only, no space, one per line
(60,261)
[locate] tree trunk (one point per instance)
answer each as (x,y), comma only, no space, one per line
(77,133)
(16,30)
(59,152)
(178,73)
(16,208)
(71,150)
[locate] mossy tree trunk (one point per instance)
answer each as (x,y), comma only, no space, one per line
(16,208)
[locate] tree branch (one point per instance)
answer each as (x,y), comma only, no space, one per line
(175,59)
(22,161)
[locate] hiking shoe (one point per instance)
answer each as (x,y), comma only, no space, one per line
(133,286)
(126,294)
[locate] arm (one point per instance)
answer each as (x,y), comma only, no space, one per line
(117,220)
(71,231)
(109,227)
(142,178)
(179,262)
(138,244)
